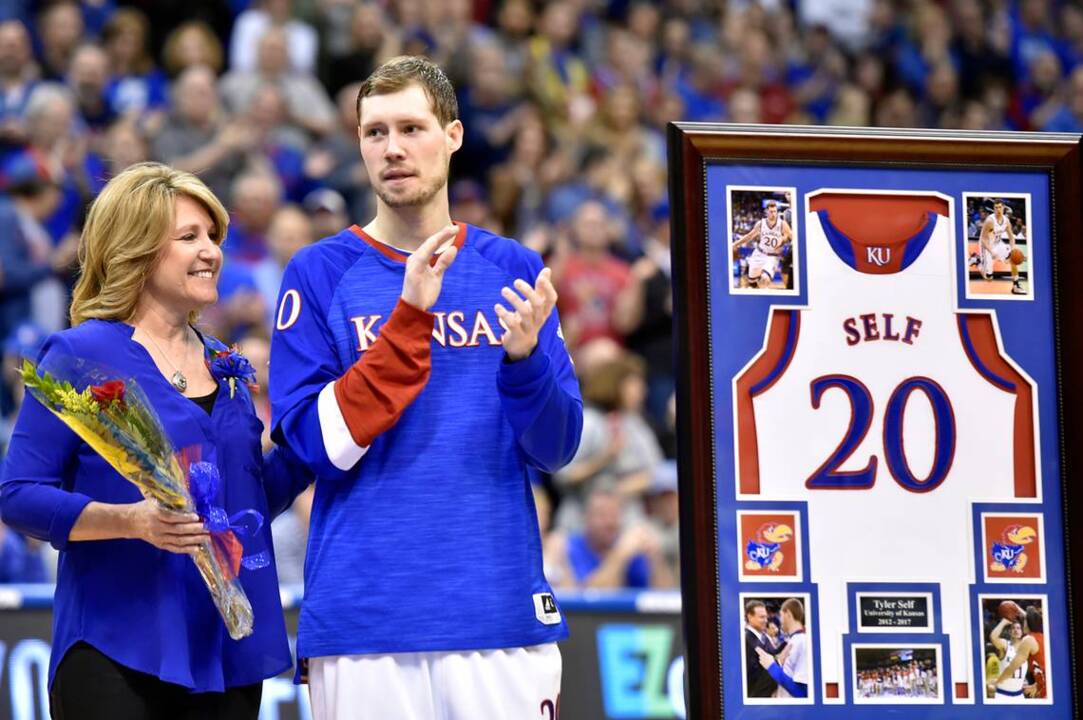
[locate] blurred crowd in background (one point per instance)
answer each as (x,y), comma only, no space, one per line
(565,105)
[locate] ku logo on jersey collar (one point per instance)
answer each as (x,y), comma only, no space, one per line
(878,255)
(882,259)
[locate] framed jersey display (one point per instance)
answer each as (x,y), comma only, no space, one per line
(879,406)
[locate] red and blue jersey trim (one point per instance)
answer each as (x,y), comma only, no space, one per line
(893,261)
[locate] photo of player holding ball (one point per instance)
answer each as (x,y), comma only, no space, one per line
(1016,667)
(998,246)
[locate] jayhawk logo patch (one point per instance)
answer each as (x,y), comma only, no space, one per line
(769,545)
(1013,547)
(765,550)
(1009,554)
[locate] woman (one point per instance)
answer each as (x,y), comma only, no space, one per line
(135,632)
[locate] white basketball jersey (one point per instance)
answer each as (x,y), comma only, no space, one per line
(798,662)
(881,422)
(1014,682)
(1000,228)
(770,239)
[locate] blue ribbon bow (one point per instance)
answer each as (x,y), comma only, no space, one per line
(203,482)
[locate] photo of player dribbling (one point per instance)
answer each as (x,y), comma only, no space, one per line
(998,246)
(1015,656)
(762,240)
(897,674)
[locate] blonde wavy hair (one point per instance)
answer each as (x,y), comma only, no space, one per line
(126,228)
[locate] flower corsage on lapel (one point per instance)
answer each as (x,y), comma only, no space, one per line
(226,363)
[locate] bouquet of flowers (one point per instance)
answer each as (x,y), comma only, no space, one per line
(115,418)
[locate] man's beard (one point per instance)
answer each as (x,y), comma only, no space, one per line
(415,198)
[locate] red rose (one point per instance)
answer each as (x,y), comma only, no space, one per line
(109,391)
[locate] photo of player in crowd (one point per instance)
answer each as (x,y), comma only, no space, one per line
(763,240)
(998,245)
(897,674)
(778,649)
(1016,659)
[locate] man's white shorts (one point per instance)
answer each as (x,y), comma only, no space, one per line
(471,685)
(999,251)
(762,263)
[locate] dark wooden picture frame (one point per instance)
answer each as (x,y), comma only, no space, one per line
(692,147)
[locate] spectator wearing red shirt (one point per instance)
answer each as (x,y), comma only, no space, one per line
(598,293)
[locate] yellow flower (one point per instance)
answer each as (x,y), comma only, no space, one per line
(76,402)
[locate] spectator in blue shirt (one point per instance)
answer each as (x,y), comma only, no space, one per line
(138,86)
(30,196)
(24,342)
(608,555)
(18,78)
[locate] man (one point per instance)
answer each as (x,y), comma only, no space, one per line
(760,682)
(290,230)
(424,410)
(197,138)
(663,514)
(327,211)
(997,242)
(60,28)
(257,196)
(598,295)
(771,235)
(88,79)
(606,555)
(1014,654)
(309,107)
(18,79)
(793,667)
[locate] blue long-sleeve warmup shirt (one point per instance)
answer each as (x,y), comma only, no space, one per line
(429,541)
(146,608)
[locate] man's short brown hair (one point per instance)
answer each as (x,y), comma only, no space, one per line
(401,72)
(794,607)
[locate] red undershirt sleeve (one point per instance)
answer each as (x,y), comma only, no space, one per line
(376,390)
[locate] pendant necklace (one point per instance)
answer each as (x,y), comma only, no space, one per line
(178,380)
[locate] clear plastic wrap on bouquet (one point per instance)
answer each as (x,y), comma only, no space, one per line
(115,418)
